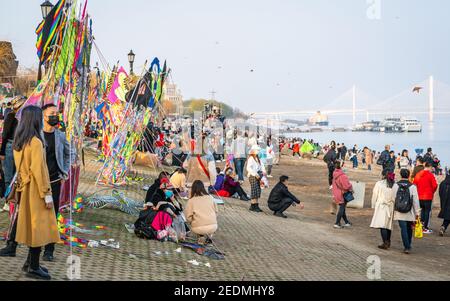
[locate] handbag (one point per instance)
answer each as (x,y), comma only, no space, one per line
(14,195)
(348,196)
(418,231)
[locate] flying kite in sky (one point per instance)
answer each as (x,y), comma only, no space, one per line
(417,89)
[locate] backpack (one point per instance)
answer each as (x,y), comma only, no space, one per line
(403,199)
(142,226)
(381,160)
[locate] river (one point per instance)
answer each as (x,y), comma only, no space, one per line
(435,135)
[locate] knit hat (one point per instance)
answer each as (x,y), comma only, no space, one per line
(165,184)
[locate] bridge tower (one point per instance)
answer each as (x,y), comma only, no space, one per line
(431,100)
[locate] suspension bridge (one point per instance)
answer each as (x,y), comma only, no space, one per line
(430,97)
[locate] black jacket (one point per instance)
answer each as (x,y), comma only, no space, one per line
(389,164)
(444,194)
(9,129)
(151,191)
(279,192)
(330,157)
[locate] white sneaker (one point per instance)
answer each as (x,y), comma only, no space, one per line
(348,225)
(427,231)
(337,226)
(331,187)
(269,176)
(6,207)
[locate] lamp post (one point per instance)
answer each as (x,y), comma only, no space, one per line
(46,7)
(131,57)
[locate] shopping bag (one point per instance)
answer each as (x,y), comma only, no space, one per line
(418,231)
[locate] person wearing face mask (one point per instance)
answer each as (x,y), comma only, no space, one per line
(58,155)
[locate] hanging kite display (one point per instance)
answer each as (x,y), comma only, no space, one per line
(123,144)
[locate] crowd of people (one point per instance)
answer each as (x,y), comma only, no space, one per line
(408,200)
(36,159)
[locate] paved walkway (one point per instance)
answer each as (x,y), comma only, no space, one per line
(257,246)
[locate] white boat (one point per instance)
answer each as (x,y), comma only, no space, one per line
(411,125)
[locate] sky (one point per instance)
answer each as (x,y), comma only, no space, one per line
(303,53)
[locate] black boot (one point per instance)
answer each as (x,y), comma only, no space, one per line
(245,198)
(38,274)
(255,208)
(48,252)
(9,250)
(26,266)
(383,246)
(280,214)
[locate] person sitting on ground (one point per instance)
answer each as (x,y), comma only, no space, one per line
(201,212)
(280,199)
(178,181)
(218,186)
(164,199)
(152,189)
(232,187)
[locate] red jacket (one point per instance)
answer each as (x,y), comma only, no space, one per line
(341,185)
(426,185)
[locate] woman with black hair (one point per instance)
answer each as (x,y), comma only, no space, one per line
(384,200)
(340,185)
(405,161)
(201,212)
(155,186)
(36,220)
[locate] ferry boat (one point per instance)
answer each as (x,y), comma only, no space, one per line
(368,126)
(318,119)
(411,125)
(392,125)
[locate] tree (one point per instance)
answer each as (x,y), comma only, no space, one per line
(8,63)
(169,107)
(198,105)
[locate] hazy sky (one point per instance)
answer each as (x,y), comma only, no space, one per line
(302,52)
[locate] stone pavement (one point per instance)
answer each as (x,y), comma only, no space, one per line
(257,246)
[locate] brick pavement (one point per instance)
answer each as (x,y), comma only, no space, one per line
(257,246)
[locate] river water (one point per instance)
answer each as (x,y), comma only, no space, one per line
(435,135)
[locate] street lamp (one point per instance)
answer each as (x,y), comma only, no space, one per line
(131,56)
(46,8)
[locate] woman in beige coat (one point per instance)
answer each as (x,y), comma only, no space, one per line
(368,157)
(36,221)
(383,216)
(201,212)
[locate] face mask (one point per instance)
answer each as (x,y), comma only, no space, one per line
(53,120)
(169,194)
